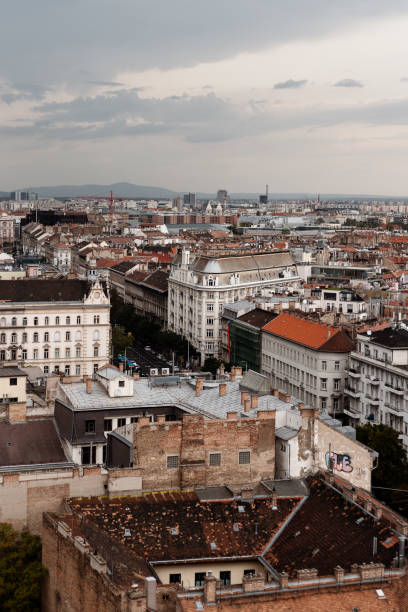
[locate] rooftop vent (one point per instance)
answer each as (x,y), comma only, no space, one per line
(199,605)
(235,527)
(297,534)
(241,509)
(9,444)
(174,531)
(360,520)
(314,553)
(127,533)
(213,546)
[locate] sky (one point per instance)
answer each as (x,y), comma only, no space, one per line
(197,95)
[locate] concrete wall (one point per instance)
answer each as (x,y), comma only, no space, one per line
(188,571)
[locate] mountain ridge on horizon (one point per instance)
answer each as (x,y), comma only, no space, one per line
(131,190)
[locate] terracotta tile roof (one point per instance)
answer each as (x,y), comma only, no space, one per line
(312,334)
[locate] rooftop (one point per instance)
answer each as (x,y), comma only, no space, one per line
(309,333)
(38,290)
(30,443)
(7,371)
(390,337)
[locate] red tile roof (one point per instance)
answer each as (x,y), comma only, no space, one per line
(309,333)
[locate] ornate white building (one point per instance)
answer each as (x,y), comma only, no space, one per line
(200,285)
(60,325)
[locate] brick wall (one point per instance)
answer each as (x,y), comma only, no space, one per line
(193,439)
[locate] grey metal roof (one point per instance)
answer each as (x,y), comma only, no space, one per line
(241,263)
(285,433)
(287,488)
(7,371)
(256,382)
(211,493)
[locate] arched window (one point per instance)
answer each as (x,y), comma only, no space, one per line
(47,321)
(14,321)
(25,321)
(57,336)
(57,320)
(13,338)
(35,320)
(3,322)
(2,338)
(77,335)
(68,321)
(96,335)
(46,337)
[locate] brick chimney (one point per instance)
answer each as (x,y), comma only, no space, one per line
(244,396)
(247,405)
(274,501)
(254,401)
(275,392)
(232,415)
(121,367)
(136,376)
(232,377)
(89,385)
(198,388)
(210,588)
(222,389)
(16,412)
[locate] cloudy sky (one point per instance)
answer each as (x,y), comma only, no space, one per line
(203,94)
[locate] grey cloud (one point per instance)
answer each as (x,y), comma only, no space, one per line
(23,91)
(348,83)
(82,37)
(290,84)
(404,79)
(106,83)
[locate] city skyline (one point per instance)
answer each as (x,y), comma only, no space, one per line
(236,95)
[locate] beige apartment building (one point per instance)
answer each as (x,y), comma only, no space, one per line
(60,325)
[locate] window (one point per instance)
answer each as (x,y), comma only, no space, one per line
(337,366)
(96,351)
(46,369)
(56,369)
(122,422)
(77,335)
(3,321)
(57,320)
(172,461)
(335,404)
(324,365)
(77,370)
(14,338)
(88,455)
(35,320)
(47,321)
(215,458)
(78,351)
(46,337)
(24,354)
(121,383)
(68,353)
(2,355)
(107,425)
(3,338)
(174,578)
(14,321)
(210,307)
(25,337)
(225,578)
(210,321)
(57,353)
(336,383)
(67,336)
(96,335)
(244,457)
(57,336)
(68,321)
(96,320)
(199,579)
(249,572)
(67,370)
(95,367)
(90,426)
(35,354)
(211,282)
(324,403)
(323,384)
(46,354)
(13,382)
(25,321)
(210,333)
(78,320)
(136,419)
(35,337)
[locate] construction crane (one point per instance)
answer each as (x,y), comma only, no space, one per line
(110,198)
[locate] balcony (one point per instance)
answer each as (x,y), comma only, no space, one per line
(375,381)
(352,412)
(396,409)
(354,372)
(373,400)
(353,392)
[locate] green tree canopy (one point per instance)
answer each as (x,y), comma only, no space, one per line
(121,340)
(20,570)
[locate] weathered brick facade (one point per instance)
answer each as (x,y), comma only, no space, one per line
(193,440)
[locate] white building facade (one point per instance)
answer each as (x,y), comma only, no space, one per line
(62,326)
(377,386)
(200,285)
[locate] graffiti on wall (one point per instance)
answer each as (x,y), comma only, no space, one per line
(338,462)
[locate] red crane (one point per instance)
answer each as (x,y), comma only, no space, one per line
(110,198)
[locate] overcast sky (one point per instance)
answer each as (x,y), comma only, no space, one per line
(306,95)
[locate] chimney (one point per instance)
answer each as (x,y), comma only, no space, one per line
(198,388)
(368,505)
(339,573)
(284,580)
(89,385)
(247,405)
(222,389)
(275,392)
(222,369)
(150,591)
(377,512)
(244,396)
(136,376)
(254,401)
(161,419)
(274,502)
(232,377)
(210,589)
(232,415)
(353,494)
(121,366)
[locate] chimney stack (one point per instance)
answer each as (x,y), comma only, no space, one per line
(210,589)
(121,366)
(198,388)
(247,405)
(254,401)
(274,502)
(244,396)
(222,389)
(89,385)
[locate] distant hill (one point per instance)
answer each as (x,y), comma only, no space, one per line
(120,190)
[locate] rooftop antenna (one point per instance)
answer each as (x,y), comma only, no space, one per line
(267,192)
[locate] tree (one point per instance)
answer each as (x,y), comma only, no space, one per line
(121,340)
(211,364)
(319,220)
(21,570)
(392,470)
